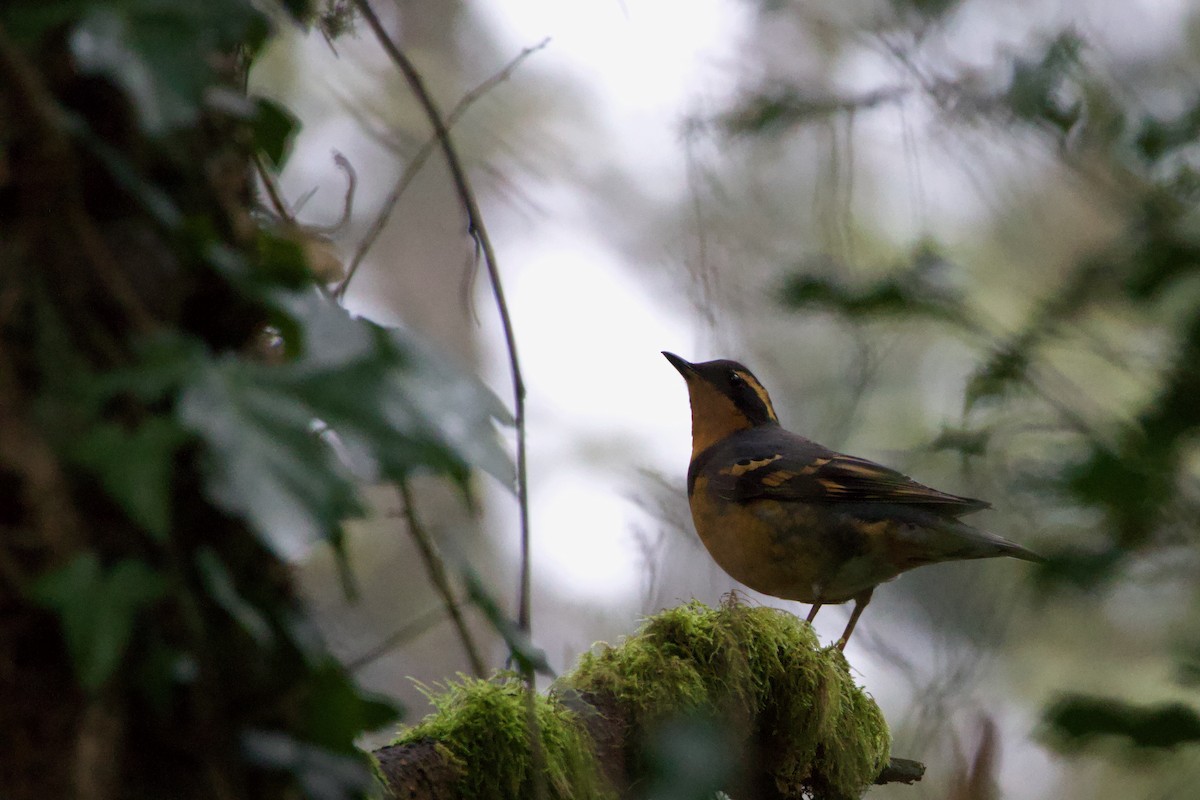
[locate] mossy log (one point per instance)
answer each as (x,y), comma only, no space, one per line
(797,724)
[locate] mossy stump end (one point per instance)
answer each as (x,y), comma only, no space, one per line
(797,724)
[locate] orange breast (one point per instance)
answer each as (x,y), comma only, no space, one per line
(792,550)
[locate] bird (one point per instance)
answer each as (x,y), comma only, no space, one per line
(792,519)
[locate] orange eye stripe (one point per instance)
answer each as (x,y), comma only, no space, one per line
(753,383)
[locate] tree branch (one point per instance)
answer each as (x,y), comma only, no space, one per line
(418,160)
(478,231)
(424,771)
(437,576)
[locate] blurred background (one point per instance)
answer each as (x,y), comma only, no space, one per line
(957,238)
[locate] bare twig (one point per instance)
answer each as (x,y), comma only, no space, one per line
(24,452)
(414,628)
(420,157)
(288,215)
(478,231)
(32,97)
(272,187)
(901,770)
(437,576)
(99,741)
(345,166)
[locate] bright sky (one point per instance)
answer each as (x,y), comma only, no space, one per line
(589,335)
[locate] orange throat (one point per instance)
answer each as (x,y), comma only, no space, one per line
(714,416)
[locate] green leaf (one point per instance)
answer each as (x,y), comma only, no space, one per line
(1160,137)
(164,363)
(916,289)
(1076,720)
(1083,569)
(162,54)
(274,129)
(930,9)
(135,467)
(336,710)
(322,775)
(300,10)
(386,394)
(28,22)
(1037,91)
(457,405)
(1005,368)
(269,428)
(965,441)
(264,461)
(527,656)
(97,610)
(280,261)
(219,584)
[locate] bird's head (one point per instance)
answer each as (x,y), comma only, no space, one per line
(725,397)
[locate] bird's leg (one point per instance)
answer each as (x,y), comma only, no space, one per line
(813,612)
(860,602)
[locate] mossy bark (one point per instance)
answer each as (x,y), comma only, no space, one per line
(800,725)
(89,273)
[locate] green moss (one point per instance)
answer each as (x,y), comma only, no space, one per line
(760,666)
(761,669)
(480,725)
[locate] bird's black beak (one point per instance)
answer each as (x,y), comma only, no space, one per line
(685,367)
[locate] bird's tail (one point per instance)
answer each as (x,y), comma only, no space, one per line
(964,542)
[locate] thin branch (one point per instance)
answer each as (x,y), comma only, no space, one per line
(901,770)
(414,628)
(437,575)
(478,231)
(420,157)
(33,99)
(272,187)
(345,166)
(288,215)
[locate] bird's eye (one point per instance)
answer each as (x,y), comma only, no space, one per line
(736,378)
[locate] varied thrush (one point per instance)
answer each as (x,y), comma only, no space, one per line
(792,519)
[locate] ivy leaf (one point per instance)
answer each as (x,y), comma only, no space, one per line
(223,591)
(964,441)
(97,610)
(322,775)
(300,10)
(528,656)
(263,459)
(1078,719)
(915,289)
(458,406)
(336,710)
(274,129)
(410,407)
(134,467)
(360,381)
(28,22)
(161,54)
(1006,368)
(281,262)
(1038,89)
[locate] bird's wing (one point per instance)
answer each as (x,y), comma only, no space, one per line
(798,470)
